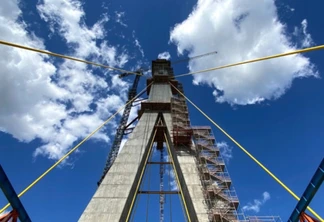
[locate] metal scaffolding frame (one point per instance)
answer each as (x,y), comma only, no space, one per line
(181,131)
(219,193)
(220,196)
(263,219)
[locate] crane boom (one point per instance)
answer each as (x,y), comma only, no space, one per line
(187,59)
(122,126)
(194,57)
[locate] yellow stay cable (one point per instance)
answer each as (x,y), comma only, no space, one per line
(140,179)
(177,178)
(72,150)
(255,60)
(64,56)
(250,155)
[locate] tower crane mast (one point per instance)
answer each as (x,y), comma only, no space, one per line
(122,124)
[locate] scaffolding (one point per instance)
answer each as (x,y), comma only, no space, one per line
(181,131)
(221,201)
(263,219)
(219,193)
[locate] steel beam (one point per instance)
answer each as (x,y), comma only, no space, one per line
(158,162)
(12,196)
(158,192)
(309,193)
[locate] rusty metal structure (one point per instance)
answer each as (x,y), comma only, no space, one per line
(217,185)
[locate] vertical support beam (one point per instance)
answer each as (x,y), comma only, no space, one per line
(128,208)
(309,193)
(12,196)
(113,198)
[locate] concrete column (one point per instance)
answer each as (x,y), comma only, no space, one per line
(117,189)
(189,170)
(190,173)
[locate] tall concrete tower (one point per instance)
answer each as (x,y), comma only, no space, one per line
(203,183)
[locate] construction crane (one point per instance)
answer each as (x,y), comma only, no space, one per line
(192,58)
(120,132)
(187,59)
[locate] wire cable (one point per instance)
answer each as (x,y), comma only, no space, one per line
(255,60)
(169,186)
(250,155)
(64,56)
(72,150)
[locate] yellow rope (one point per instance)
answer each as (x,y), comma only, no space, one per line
(64,56)
(72,150)
(177,178)
(139,181)
(250,155)
(255,60)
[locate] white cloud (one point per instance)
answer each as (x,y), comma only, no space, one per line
(119,18)
(266,196)
(172,183)
(59,105)
(26,83)
(226,151)
(290,8)
(164,55)
(139,47)
(301,33)
(240,30)
(257,203)
(170,173)
(137,44)
(81,82)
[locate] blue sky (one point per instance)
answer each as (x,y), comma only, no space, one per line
(274,108)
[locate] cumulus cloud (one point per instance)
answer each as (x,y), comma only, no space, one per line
(241,30)
(226,151)
(26,85)
(63,103)
(257,203)
(164,55)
